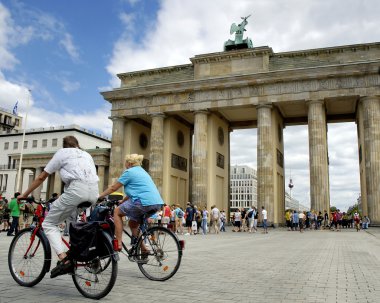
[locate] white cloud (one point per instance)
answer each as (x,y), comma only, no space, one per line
(70,86)
(68,44)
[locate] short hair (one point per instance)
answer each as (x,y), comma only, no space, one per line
(17,194)
(70,141)
(134,159)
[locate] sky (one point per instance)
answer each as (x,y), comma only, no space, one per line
(60,55)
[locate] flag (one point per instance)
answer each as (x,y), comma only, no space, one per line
(15,109)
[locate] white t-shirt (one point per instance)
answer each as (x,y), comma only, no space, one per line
(73,164)
(264,213)
(215,213)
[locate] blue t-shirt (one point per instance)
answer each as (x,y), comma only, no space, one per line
(138,185)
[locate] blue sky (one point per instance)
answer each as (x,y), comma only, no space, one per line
(66,52)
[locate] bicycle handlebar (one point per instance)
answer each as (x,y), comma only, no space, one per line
(30,200)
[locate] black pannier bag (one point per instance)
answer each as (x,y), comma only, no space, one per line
(98,213)
(84,238)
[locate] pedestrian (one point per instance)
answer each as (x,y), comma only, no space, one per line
(166,216)
(215,216)
(264,215)
(223,220)
(179,213)
(365,222)
(204,220)
(296,220)
(237,220)
(288,215)
(6,216)
(301,218)
(14,207)
(189,218)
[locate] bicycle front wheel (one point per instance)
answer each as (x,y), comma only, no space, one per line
(158,253)
(28,257)
(94,279)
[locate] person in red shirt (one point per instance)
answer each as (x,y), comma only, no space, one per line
(166,215)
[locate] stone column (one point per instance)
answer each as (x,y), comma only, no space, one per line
(117,149)
(319,169)
(371,111)
(101,171)
(57,186)
(37,191)
(265,161)
(156,161)
(19,189)
(199,168)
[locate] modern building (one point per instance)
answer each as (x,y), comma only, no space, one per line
(243,189)
(38,147)
(294,204)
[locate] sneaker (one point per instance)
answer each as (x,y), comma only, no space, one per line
(63,267)
(10,235)
(187,234)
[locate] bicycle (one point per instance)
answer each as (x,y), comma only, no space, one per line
(29,259)
(162,256)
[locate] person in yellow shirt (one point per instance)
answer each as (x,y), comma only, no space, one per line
(288,216)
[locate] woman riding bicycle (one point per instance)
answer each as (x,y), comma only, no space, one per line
(142,197)
(78,172)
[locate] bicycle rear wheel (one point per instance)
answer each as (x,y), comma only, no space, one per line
(95,279)
(29,257)
(161,257)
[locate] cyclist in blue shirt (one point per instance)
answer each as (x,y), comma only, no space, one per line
(142,197)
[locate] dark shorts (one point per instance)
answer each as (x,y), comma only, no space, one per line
(237,223)
(188,223)
(135,211)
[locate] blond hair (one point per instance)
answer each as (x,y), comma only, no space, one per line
(134,159)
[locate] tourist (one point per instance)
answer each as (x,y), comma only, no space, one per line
(301,219)
(237,220)
(295,220)
(190,216)
(288,220)
(264,215)
(250,216)
(255,218)
(326,222)
(179,219)
(223,220)
(204,220)
(244,219)
(166,215)
(365,222)
(14,207)
(215,216)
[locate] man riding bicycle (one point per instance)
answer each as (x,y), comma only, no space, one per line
(78,172)
(142,197)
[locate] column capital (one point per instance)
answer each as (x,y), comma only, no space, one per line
(369,98)
(315,101)
(264,105)
(158,115)
(117,118)
(201,111)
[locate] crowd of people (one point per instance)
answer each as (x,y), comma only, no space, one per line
(193,220)
(335,220)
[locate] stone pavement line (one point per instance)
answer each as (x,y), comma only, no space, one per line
(282,266)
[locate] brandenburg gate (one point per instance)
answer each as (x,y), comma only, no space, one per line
(180,118)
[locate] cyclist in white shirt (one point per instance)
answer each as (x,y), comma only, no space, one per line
(77,170)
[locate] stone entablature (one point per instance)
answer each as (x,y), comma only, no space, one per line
(251,61)
(324,82)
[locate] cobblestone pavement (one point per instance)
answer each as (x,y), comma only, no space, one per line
(282,266)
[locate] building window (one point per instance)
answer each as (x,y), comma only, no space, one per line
(17,122)
(44,142)
(25,144)
(34,143)
(15,145)
(6,145)
(54,142)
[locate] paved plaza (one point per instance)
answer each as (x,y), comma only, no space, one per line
(282,266)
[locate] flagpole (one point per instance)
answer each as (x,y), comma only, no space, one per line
(22,143)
